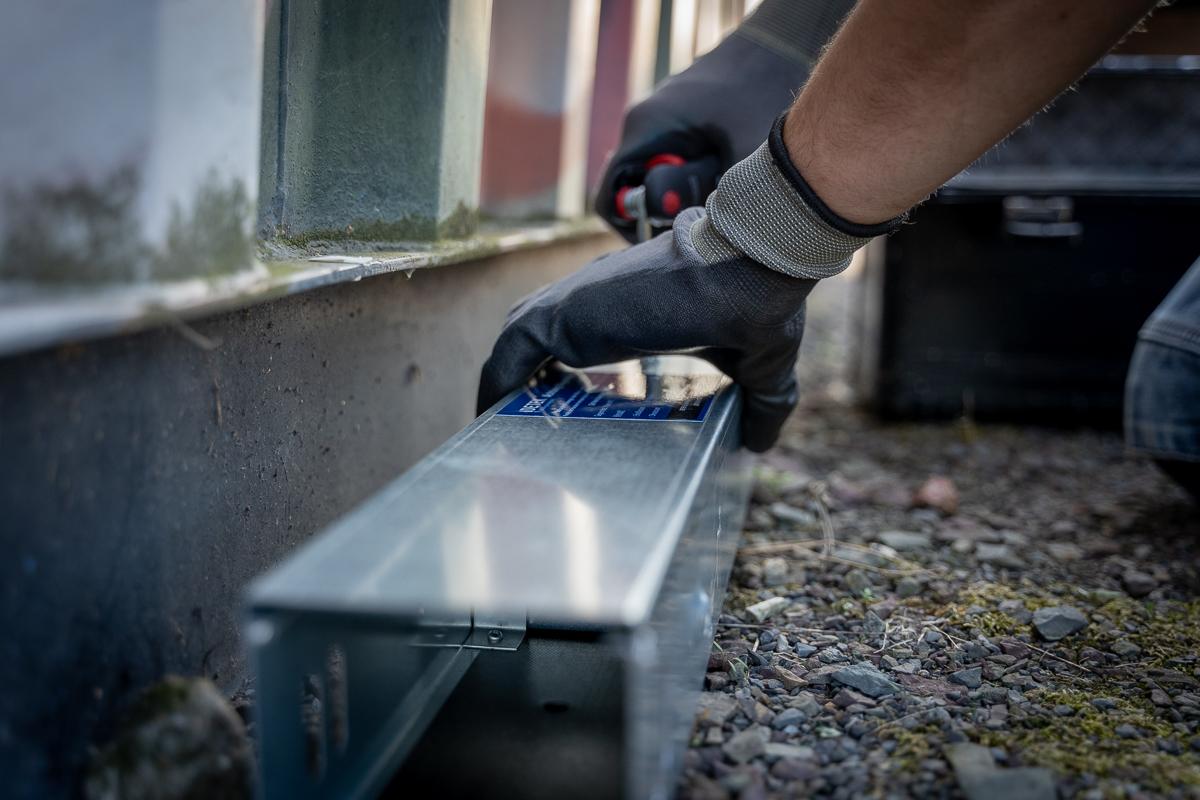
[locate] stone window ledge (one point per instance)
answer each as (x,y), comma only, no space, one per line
(35,317)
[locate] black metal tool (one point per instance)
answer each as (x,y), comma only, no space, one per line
(670,185)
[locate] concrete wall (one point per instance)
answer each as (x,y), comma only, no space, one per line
(373,117)
(145,480)
(128,139)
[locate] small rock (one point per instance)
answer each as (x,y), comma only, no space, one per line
(998,555)
(1138,584)
(1169,746)
(873,624)
(747,744)
(981,779)
(867,679)
(1007,606)
(857,581)
(1014,648)
(938,492)
(789,716)
(716,681)
(970,678)
(1014,538)
(714,709)
(1161,699)
(767,608)
(804,650)
(1064,552)
(975,651)
(992,695)
(848,697)
(805,702)
(1126,649)
(1055,622)
(888,491)
(182,739)
(1171,676)
(775,571)
(760,714)
(797,516)
(789,769)
(789,679)
(1064,711)
(1087,654)
(1104,703)
(1127,732)
(925,686)
(905,541)
(884,609)
(701,787)
(847,492)
(908,587)
(798,752)
(964,546)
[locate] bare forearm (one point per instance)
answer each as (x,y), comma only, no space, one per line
(910,93)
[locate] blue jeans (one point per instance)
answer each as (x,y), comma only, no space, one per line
(1162,389)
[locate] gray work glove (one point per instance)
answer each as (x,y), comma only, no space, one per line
(727,284)
(724,103)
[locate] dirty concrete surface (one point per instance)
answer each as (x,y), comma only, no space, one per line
(1017,607)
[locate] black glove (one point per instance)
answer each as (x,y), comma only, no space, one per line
(723,104)
(662,296)
(728,285)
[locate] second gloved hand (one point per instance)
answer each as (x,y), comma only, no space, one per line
(664,296)
(727,284)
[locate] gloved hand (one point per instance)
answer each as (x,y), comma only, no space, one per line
(724,103)
(727,284)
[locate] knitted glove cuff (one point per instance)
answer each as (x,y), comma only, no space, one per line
(763,209)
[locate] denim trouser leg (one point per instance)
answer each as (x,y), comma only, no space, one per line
(1162,390)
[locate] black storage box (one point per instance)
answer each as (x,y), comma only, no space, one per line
(1016,293)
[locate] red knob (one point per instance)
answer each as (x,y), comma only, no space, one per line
(670,159)
(671,202)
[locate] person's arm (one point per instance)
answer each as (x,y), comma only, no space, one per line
(907,95)
(910,93)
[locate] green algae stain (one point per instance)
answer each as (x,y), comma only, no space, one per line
(89,233)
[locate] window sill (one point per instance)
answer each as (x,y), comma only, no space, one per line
(36,317)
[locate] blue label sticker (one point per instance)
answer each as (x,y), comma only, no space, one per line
(565,397)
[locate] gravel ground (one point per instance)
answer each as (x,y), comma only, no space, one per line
(953,611)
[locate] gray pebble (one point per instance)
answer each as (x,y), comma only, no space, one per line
(1064,711)
(790,716)
(1127,731)
(747,744)
(1126,649)
(867,679)
(993,695)
(970,678)
(1055,622)
(908,587)
(1169,746)
(857,581)
(1104,703)
(905,541)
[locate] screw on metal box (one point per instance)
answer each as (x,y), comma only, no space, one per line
(494,637)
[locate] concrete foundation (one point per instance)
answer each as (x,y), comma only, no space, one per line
(146,479)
